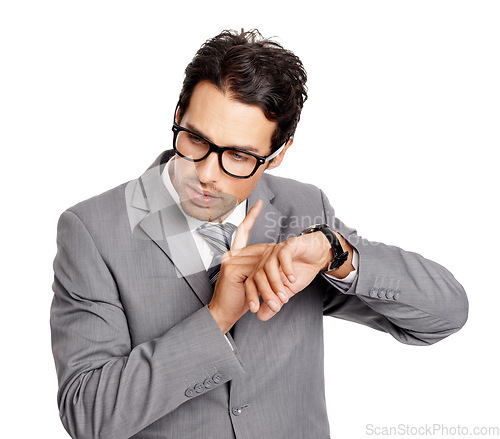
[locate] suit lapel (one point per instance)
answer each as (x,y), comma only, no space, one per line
(163,222)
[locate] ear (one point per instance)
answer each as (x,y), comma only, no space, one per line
(276,161)
(177,112)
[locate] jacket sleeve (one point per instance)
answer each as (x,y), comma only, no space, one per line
(106,388)
(414,299)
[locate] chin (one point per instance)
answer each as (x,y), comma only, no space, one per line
(201,213)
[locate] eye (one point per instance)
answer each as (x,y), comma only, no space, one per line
(196,140)
(237,156)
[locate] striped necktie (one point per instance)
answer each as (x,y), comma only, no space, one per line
(218,238)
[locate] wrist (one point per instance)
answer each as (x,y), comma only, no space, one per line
(347,266)
(339,254)
(223,325)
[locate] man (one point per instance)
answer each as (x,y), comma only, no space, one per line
(159,331)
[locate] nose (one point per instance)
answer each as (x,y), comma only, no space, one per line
(209,169)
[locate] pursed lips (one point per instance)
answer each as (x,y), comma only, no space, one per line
(202,192)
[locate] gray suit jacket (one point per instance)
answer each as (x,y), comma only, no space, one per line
(139,355)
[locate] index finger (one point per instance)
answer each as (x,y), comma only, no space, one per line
(243,230)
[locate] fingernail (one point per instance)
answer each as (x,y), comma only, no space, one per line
(291,278)
(252,306)
(273,305)
(282,296)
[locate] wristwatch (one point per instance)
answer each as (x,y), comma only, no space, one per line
(339,255)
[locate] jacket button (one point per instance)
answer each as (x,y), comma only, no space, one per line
(217,378)
(373,292)
(199,388)
(397,293)
(189,392)
(381,292)
(208,383)
(389,294)
(236,411)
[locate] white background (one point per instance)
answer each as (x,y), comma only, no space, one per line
(400,131)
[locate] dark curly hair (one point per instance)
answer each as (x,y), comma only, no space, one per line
(256,71)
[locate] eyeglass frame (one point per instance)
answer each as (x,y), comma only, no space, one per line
(176,128)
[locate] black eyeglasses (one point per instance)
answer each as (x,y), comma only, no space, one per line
(234,162)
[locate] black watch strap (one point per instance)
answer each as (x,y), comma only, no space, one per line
(339,255)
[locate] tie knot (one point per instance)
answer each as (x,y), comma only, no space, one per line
(218,236)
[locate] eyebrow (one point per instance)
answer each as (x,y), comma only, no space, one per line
(248,148)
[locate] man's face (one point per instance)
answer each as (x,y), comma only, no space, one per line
(205,191)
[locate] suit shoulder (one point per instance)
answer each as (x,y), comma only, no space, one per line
(296,199)
(108,203)
(285,184)
(289,188)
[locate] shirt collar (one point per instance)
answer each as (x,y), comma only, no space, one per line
(236,217)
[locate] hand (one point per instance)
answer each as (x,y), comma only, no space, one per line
(286,269)
(228,302)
